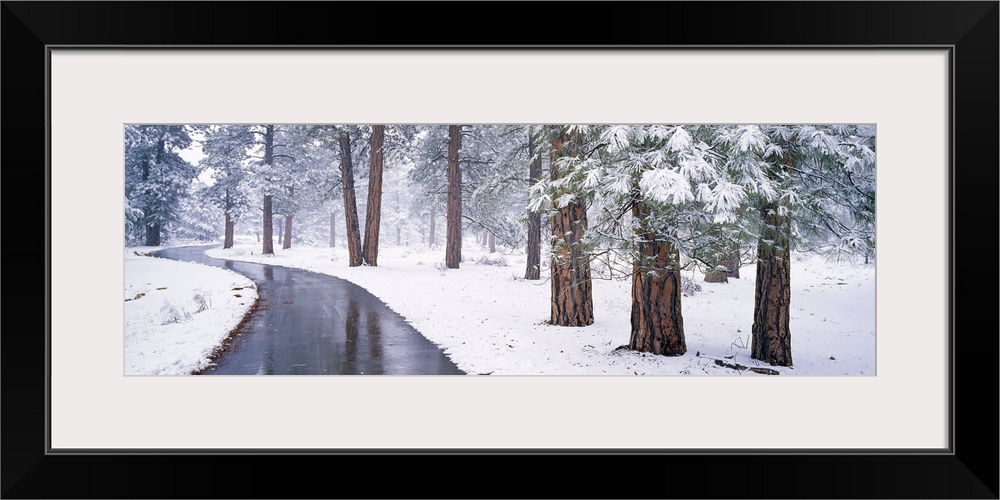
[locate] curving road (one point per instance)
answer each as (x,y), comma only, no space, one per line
(314,324)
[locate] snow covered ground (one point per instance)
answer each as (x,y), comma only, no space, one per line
(490,320)
(178,313)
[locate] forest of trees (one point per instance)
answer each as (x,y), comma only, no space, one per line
(638,202)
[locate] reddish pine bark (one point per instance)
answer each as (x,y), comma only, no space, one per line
(453,248)
(350,205)
(572,296)
(373,219)
(657,324)
(772,338)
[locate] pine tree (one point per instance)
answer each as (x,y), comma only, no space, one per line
(226,151)
(156,177)
(806,184)
(572,295)
(652,172)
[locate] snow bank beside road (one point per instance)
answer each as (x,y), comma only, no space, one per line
(178,313)
(490,320)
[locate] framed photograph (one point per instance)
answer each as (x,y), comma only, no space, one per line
(922,76)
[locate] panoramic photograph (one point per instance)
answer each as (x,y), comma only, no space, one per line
(500,249)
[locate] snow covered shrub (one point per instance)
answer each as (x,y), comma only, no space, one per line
(171,314)
(202,301)
(487,260)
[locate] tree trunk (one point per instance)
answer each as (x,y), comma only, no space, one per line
(717,275)
(281,229)
(230,224)
(153,228)
(399,225)
(719,260)
(268,215)
(493,243)
(453,250)
(287,243)
(333,230)
(373,220)
(772,339)
(533,267)
(657,324)
(350,206)
(734,264)
(572,297)
(143,229)
(431,240)
(153,234)
(268,227)
(485,239)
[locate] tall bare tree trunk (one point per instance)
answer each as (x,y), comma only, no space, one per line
(772,338)
(333,229)
(281,229)
(399,225)
(572,297)
(532,269)
(350,206)
(453,250)
(373,219)
(493,243)
(230,225)
(431,240)
(287,243)
(268,213)
(657,325)
(268,226)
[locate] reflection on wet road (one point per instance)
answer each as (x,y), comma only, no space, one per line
(314,324)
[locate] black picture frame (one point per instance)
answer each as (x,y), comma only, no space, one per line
(969,29)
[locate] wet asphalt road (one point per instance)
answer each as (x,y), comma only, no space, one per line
(314,324)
